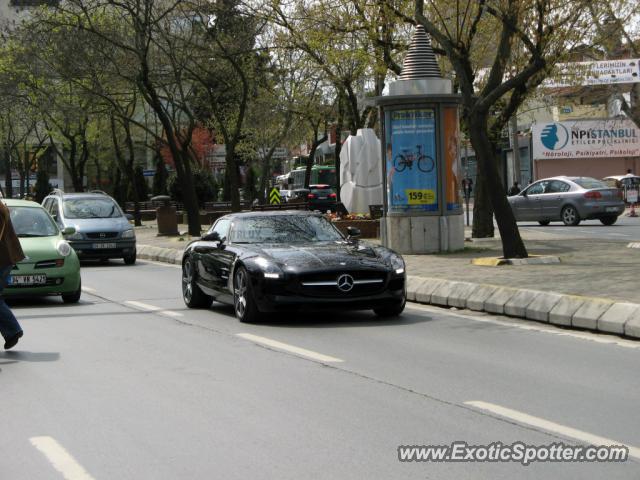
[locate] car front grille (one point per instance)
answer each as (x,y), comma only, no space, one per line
(325,284)
(101,235)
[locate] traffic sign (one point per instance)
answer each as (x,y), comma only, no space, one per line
(274,197)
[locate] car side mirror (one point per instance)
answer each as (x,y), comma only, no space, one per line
(524,194)
(128,216)
(211,237)
(353,233)
(69,231)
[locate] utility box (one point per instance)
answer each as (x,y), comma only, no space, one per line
(165,215)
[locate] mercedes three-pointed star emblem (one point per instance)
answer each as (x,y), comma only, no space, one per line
(345,283)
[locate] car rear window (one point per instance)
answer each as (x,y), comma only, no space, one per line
(589,183)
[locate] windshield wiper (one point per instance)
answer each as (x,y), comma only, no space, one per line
(30,235)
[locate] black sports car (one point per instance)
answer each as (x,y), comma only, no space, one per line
(290,260)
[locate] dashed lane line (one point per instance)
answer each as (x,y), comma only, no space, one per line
(541,423)
(302,352)
(153,308)
(60,459)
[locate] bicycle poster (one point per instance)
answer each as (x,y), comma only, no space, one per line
(412,173)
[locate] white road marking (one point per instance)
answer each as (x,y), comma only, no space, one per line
(533,326)
(543,424)
(153,308)
(89,290)
(289,348)
(60,459)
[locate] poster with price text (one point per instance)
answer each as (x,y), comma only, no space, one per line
(412,172)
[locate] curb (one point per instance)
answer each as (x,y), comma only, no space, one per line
(585,313)
(159,254)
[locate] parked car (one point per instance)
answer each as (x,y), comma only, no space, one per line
(568,199)
(102,230)
(50,266)
(290,260)
(287,195)
(321,197)
(625,183)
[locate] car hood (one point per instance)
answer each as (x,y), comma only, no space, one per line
(322,255)
(39,248)
(116,224)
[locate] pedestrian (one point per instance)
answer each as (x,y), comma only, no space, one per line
(514,190)
(10,254)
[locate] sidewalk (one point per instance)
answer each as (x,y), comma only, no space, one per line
(596,286)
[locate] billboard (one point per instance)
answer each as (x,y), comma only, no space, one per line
(412,172)
(586,139)
(604,72)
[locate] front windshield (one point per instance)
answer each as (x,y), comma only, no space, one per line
(91,208)
(283,229)
(32,222)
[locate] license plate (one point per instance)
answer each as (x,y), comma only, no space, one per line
(611,209)
(322,198)
(104,245)
(27,280)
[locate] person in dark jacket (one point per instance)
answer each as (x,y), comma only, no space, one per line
(10,254)
(514,190)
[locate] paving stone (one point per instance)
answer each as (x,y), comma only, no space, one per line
(517,305)
(562,313)
(413,282)
(496,302)
(632,327)
(424,291)
(540,307)
(588,314)
(614,319)
(479,296)
(460,293)
(440,296)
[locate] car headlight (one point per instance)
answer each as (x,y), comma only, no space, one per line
(129,234)
(397,263)
(75,236)
(63,248)
(269,269)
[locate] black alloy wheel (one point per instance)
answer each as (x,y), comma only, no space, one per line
(191,294)
(243,301)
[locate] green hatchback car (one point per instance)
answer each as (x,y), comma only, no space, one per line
(51,266)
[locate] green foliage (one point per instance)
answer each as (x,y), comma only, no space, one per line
(205,186)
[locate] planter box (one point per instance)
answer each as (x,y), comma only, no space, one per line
(369,228)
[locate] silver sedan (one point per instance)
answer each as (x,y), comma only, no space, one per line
(568,199)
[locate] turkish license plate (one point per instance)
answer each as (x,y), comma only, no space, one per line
(27,280)
(104,245)
(611,209)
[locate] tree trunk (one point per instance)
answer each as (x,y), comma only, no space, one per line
(8,182)
(264,174)
(233,177)
(314,146)
(338,147)
(512,244)
(482,211)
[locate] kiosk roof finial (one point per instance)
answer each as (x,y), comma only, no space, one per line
(420,61)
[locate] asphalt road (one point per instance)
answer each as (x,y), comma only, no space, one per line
(625,229)
(129,384)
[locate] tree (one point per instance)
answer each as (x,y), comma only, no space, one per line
(531,35)
(616,28)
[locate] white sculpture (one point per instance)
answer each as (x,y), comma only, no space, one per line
(361,172)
